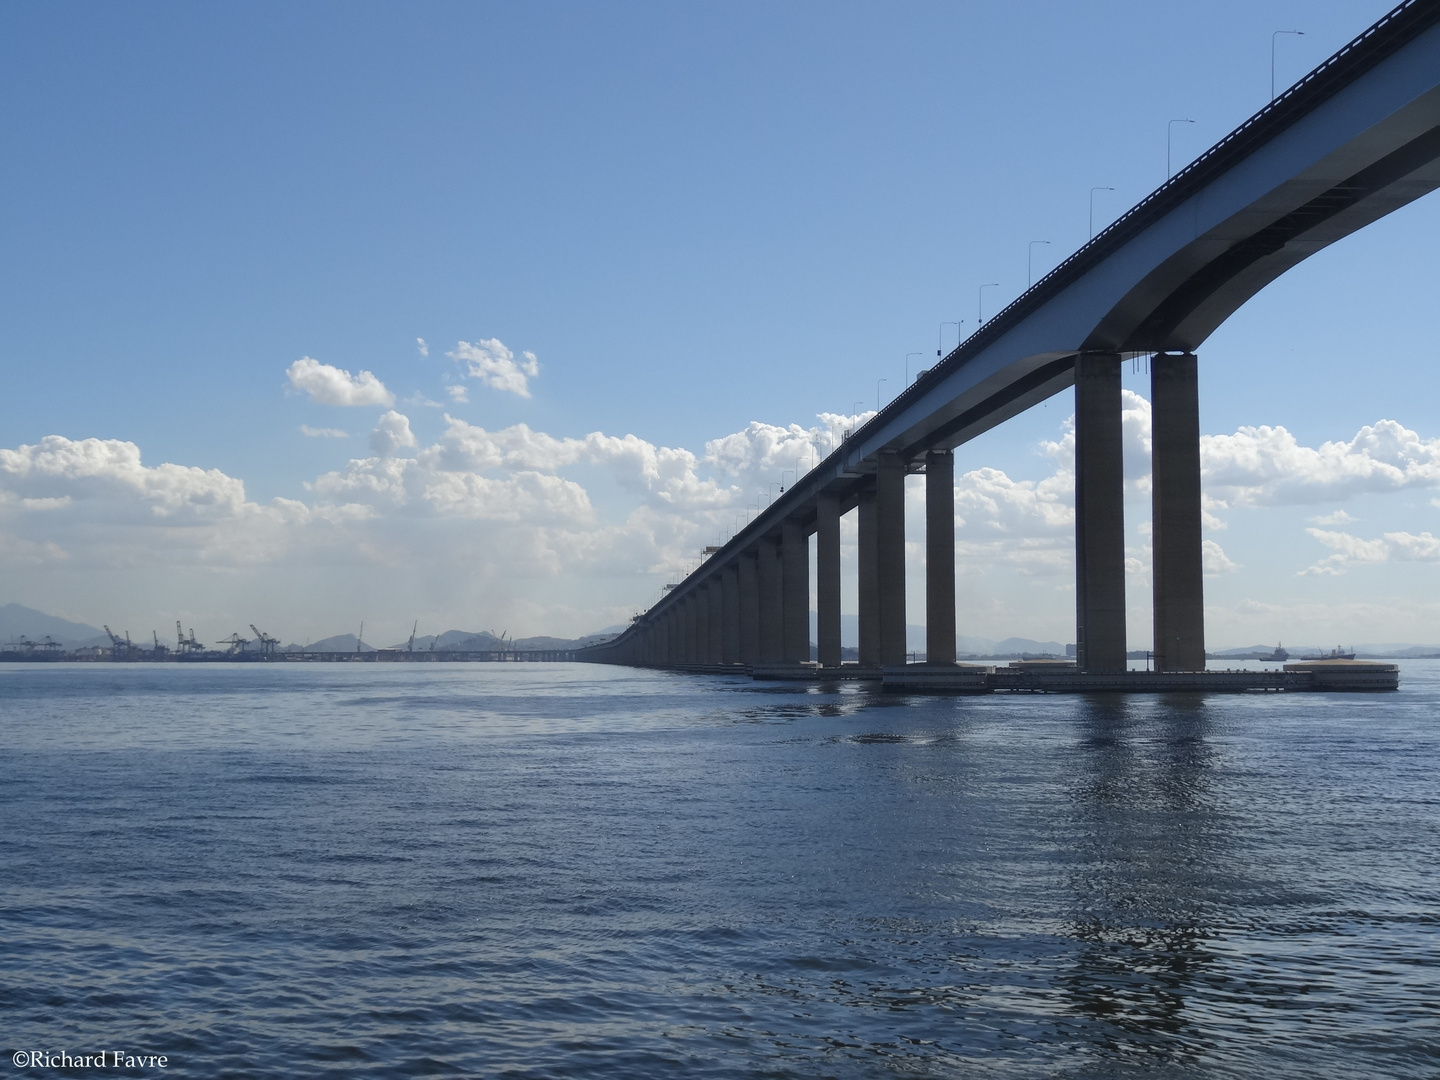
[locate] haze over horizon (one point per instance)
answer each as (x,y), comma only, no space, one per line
(495,315)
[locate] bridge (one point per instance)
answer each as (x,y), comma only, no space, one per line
(1354,140)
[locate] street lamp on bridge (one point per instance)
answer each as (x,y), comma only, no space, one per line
(980,300)
(1092,207)
(1030,259)
(877,393)
(940,341)
(1169,131)
(1276,34)
(907,365)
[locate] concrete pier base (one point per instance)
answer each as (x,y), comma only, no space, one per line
(940,557)
(1175,514)
(1099,515)
(827,580)
(890,557)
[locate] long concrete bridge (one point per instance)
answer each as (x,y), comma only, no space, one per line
(1355,139)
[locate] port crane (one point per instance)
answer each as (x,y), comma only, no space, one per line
(160,650)
(267,643)
(187,645)
(236,642)
(119,648)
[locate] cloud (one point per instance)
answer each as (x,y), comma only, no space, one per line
(322,432)
(1339,517)
(548,524)
(1392,547)
(458,394)
(334,386)
(1214,559)
(495,365)
(392,432)
(422,347)
(1266,466)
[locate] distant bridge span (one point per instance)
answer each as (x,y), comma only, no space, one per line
(1355,139)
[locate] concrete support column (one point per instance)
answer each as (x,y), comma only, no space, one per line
(890,557)
(827,580)
(940,557)
(1175,513)
(687,631)
(670,637)
(749,608)
(730,606)
(702,624)
(1099,515)
(772,602)
(715,606)
(869,575)
(795,553)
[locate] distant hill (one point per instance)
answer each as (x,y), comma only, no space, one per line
(338,643)
(18,621)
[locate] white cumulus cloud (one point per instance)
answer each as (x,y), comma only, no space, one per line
(329,385)
(392,432)
(322,432)
(491,362)
(1267,466)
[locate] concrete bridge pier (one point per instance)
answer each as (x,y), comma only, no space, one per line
(749,608)
(940,557)
(890,557)
(772,602)
(687,630)
(795,555)
(1178,554)
(730,601)
(702,624)
(715,607)
(827,580)
(1099,515)
(868,575)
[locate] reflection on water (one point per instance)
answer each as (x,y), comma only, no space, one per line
(566,871)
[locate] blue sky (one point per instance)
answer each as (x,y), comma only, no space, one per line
(697,218)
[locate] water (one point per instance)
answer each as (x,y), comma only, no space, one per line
(554,870)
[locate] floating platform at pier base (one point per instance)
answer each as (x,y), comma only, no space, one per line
(1348,674)
(1063,678)
(813,672)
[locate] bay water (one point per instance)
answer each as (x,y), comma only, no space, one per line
(556,870)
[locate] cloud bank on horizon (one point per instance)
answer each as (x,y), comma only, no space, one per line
(510,512)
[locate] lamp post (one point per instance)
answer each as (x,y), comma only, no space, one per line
(1092,207)
(859,408)
(1030,259)
(877,393)
(1169,131)
(907,365)
(980,300)
(1276,34)
(940,340)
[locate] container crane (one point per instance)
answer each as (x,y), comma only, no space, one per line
(267,643)
(119,647)
(184,644)
(236,642)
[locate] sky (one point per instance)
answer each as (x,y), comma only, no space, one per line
(491,316)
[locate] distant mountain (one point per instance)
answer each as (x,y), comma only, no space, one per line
(18,621)
(338,643)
